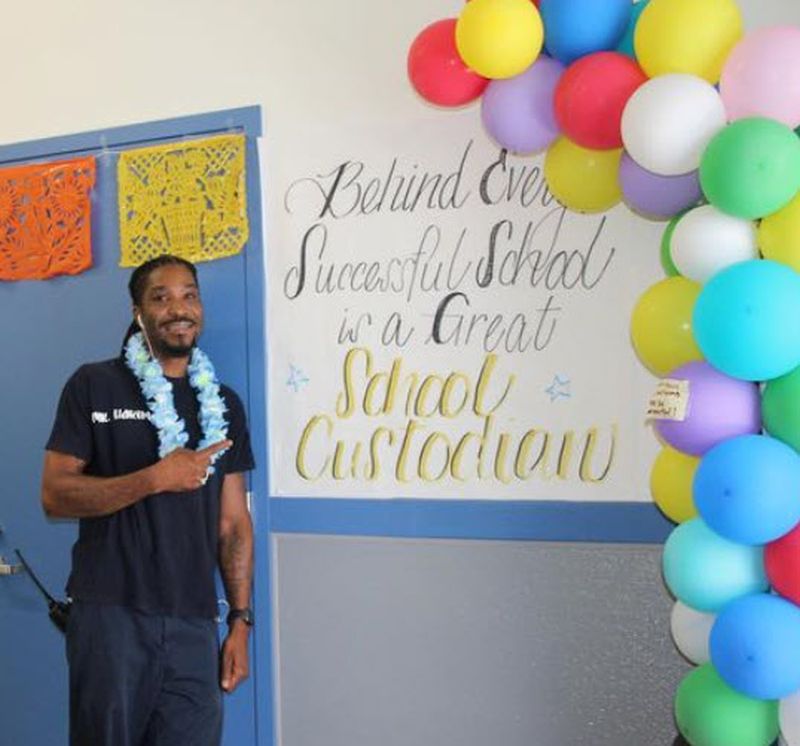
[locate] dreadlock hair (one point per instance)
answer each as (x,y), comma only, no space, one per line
(138,282)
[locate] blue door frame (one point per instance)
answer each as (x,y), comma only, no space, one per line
(245,120)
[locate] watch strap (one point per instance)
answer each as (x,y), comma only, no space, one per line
(246,615)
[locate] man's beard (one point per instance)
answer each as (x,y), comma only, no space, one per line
(164,349)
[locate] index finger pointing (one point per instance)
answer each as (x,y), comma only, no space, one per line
(215,448)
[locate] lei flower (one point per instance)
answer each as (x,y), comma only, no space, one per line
(157,391)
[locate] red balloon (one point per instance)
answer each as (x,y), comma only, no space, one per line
(591,95)
(782,562)
(437,72)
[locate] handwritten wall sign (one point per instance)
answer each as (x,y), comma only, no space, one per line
(441,327)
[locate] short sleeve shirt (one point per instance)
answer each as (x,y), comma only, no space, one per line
(159,554)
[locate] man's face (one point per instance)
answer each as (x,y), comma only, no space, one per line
(171,311)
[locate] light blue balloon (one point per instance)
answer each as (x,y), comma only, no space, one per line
(747,489)
(747,320)
(755,646)
(706,571)
(626,45)
(574,28)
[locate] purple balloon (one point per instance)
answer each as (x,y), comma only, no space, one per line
(518,112)
(720,407)
(655,196)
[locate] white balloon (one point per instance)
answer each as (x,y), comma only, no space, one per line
(691,630)
(789,719)
(706,240)
(669,120)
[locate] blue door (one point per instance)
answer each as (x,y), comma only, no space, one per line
(47,329)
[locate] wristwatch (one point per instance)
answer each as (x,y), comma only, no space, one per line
(246,615)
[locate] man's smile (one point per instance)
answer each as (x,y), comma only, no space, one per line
(178,326)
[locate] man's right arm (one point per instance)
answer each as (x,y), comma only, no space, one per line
(69,493)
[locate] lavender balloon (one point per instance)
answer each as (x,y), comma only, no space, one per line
(655,196)
(518,112)
(720,407)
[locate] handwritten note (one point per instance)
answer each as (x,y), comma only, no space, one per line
(670,401)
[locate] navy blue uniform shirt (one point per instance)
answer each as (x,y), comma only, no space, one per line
(159,554)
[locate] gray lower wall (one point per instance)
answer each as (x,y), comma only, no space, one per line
(385,642)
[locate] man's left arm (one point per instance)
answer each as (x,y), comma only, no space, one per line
(236,567)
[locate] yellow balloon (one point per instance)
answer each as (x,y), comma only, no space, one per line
(687,36)
(661,325)
(499,38)
(581,179)
(671,484)
(779,235)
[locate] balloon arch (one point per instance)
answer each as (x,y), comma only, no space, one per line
(669,106)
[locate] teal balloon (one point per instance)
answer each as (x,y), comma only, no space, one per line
(751,168)
(746,320)
(706,571)
(626,45)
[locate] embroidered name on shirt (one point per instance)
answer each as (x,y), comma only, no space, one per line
(120,414)
(131,414)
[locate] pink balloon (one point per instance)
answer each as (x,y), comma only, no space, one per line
(761,76)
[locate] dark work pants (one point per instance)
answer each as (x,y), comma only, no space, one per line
(142,680)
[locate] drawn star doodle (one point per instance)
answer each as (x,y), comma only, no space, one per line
(559,388)
(297,379)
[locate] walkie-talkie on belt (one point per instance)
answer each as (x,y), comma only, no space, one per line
(57,610)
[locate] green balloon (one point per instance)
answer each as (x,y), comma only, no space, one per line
(751,168)
(710,713)
(780,408)
(666,257)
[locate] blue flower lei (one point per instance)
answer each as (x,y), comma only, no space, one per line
(157,391)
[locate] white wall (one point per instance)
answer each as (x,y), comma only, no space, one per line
(88,64)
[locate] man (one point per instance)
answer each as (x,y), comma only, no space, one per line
(148,451)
